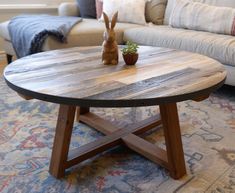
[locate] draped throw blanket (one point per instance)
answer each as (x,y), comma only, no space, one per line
(29,32)
(198,16)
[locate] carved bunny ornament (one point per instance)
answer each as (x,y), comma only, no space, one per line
(110,47)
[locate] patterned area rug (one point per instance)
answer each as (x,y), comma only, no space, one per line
(27,131)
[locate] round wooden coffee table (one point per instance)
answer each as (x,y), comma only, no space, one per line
(77,80)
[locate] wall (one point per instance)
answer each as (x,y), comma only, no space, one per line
(48,2)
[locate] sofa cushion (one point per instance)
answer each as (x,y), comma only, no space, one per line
(217,46)
(205,18)
(89,32)
(4,33)
(128,10)
(219,3)
(68,9)
(155,10)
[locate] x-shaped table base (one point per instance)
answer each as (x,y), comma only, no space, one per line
(172,158)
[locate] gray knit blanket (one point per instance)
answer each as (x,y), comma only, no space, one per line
(29,32)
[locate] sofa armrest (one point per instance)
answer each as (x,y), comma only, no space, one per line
(68,9)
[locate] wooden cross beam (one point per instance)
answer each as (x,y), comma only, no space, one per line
(63,159)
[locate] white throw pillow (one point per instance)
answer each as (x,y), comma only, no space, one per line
(131,11)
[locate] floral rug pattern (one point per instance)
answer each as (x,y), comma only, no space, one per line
(26,135)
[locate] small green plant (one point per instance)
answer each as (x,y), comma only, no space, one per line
(130,48)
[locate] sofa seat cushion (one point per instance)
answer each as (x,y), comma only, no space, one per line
(217,46)
(89,32)
(4,33)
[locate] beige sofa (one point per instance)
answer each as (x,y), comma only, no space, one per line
(90,32)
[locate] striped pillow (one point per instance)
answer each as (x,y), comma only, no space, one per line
(218,3)
(198,16)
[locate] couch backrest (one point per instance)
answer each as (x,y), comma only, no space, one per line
(220,3)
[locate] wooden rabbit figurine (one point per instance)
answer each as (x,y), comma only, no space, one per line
(110,48)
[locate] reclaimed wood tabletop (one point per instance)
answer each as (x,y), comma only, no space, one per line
(76,76)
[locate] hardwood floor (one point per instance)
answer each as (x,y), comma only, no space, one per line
(3,62)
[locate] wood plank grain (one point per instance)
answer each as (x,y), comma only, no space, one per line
(115,136)
(174,147)
(77,76)
(91,149)
(62,140)
(142,86)
(81,111)
(135,143)
(25,97)
(146,149)
(107,127)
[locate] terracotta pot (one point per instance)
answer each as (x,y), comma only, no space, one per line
(130,59)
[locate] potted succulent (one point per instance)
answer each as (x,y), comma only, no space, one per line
(130,53)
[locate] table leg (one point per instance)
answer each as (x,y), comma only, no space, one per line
(62,140)
(171,126)
(81,111)
(172,159)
